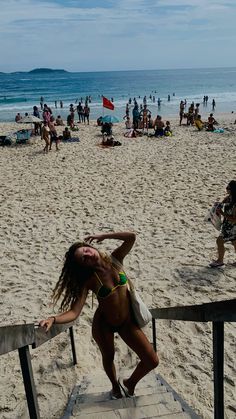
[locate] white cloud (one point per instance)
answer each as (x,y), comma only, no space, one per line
(132,32)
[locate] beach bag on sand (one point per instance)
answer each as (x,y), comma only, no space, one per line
(141,313)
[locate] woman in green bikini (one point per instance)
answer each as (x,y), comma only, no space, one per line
(87,268)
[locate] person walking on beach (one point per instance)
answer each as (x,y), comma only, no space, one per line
(53,134)
(213,104)
(144,117)
(136,116)
(227,209)
(86,113)
(80,111)
(45,135)
(41,102)
(87,268)
(181,111)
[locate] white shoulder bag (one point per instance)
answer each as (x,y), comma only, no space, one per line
(140,310)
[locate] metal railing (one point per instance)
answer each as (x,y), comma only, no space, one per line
(20,337)
(218,313)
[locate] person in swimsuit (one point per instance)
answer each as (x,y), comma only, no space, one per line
(87,268)
(45,135)
(228,229)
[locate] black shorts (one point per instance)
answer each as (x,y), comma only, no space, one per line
(54,138)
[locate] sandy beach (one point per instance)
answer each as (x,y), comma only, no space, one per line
(161,188)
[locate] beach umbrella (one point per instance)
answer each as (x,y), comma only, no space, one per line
(111,119)
(30,119)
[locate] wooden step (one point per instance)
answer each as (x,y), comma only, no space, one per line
(140,407)
(132,415)
(100,383)
(153,399)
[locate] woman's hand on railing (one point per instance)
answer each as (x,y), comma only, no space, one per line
(47,324)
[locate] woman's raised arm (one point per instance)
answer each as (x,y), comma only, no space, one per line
(120,252)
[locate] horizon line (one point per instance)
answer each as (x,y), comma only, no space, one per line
(121,70)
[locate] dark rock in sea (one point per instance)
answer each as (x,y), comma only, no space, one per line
(46,70)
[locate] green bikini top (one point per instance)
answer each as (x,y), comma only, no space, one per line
(104,291)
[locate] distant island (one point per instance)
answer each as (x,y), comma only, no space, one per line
(46,70)
(38,71)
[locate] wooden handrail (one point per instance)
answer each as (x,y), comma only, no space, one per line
(17,336)
(209,312)
(216,312)
(41,337)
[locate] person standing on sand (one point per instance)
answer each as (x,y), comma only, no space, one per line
(86,113)
(136,116)
(227,208)
(181,111)
(45,135)
(87,268)
(53,134)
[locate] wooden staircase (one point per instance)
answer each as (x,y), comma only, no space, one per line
(91,400)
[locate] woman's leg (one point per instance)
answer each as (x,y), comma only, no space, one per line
(220,249)
(46,145)
(104,338)
(138,342)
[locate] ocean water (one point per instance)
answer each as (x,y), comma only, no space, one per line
(19,92)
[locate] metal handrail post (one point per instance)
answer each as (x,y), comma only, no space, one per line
(28,378)
(154,337)
(72,340)
(218,365)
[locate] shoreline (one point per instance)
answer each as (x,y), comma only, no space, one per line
(159,187)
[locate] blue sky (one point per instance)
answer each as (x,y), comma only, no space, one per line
(101,35)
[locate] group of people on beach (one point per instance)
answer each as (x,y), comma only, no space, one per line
(193,117)
(49,132)
(82,111)
(142,120)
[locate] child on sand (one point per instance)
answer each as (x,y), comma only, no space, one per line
(167,130)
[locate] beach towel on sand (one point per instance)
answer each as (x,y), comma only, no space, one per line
(219,130)
(72,140)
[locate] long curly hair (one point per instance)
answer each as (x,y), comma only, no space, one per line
(73,277)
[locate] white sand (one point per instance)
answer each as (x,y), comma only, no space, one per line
(161,189)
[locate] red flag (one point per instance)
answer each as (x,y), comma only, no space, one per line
(107,103)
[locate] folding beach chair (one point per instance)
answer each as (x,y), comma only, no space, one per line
(23,136)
